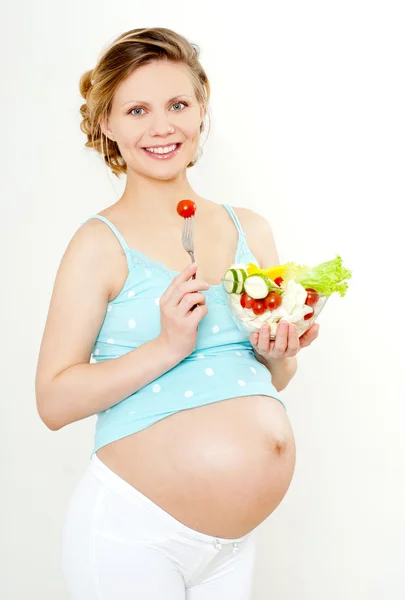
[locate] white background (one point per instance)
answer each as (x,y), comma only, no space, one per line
(308,129)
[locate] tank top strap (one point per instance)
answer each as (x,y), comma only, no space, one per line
(117,234)
(243,252)
(234,218)
(113,228)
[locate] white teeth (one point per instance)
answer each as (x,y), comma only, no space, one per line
(162,150)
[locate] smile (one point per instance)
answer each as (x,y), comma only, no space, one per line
(163,152)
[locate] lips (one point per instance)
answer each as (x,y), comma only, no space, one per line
(162,146)
(161,156)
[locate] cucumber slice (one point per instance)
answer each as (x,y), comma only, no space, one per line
(241,275)
(257,286)
(230,281)
(234,280)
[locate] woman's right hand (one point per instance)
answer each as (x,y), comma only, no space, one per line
(179,320)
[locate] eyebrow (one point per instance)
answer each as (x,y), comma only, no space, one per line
(147,103)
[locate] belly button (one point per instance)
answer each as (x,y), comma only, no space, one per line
(279,446)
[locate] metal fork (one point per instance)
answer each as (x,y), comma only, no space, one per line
(187,238)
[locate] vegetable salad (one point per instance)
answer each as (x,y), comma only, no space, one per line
(292,292)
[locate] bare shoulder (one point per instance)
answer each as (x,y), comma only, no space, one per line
(259,236)
(95,239)
(95,234)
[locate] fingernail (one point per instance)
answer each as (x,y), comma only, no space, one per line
(192,265)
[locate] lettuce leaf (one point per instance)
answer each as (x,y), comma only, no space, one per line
(292,271)
(325,278)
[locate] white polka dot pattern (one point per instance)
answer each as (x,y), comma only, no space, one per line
(156,388)
(131,323)
(188,394)
(215,329)
(131,294)
(200,355)
(209,372)
(253,370)
(110,341)
(241,382)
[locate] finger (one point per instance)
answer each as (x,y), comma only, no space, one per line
(177,292)
(195,316)
(309,336)
(281,341)
(186,273)
(183,276)
(264,339)
(254,338)
(190,300)
(293,340)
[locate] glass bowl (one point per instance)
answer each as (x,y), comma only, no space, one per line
(248,322)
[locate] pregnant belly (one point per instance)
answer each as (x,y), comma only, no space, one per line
(220,469)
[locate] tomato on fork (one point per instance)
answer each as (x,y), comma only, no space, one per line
(186,208)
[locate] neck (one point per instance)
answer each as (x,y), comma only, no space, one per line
(147,197)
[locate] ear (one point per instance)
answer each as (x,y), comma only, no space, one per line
(105,128)
(202,112)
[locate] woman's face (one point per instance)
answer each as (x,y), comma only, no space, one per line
(155,107)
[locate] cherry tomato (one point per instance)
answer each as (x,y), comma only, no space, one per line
(309,315)
(312,297)
(246,301)
(278,280)
(272,301)
(186,208)
(259,307)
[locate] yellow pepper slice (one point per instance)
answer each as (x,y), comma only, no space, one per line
(252,269)
(274,272)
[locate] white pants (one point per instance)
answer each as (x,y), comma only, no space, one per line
(119,545)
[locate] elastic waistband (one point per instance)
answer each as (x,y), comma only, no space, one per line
(116,484)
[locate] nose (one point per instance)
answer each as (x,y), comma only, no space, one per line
(161,127)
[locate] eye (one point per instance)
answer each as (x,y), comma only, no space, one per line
(179,104)
(136,108)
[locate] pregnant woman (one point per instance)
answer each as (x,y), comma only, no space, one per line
(193,447)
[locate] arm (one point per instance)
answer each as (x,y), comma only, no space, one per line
(260,239)
(67,387)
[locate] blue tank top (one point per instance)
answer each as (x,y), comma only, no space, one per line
(223,364)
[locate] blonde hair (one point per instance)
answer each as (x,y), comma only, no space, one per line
(125,54)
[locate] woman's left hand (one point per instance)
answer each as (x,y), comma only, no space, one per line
(287,342)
